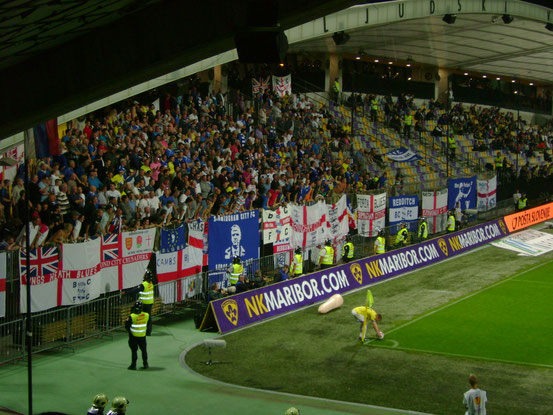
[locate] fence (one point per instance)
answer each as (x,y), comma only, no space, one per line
(65,325)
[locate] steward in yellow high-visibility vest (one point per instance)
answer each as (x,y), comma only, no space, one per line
(401,237)
(145,296)
(235,270)
(380,243)
(297,264)
(451,222)
(522,202)
(326,256)
(374,109)
(498,161)
(407,122)
(137,325)
(336,90)
(422,231)
(452,144)
(347,250)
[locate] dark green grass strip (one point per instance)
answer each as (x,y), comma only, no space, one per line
(510,322)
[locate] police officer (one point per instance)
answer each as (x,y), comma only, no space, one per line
(422,231)
(451,221)
(235,270)
(347,250)
(402,234)
(118,405)
(297,264)
(326,255)
(522,202)
(99,402)
(146,296)
(136,325)
(380,243)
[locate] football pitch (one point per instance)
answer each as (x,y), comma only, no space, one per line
(488,312)
(508,322)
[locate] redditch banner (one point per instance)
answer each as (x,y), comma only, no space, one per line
(462,191)
(256,305)
(403,209)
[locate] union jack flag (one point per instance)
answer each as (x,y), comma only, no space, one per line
(44,261)
(110,246)
(260,85)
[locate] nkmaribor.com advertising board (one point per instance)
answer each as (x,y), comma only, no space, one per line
(249,307)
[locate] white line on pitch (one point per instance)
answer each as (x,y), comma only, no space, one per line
(488,359)
(464,298)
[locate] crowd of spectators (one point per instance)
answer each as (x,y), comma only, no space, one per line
(138,166)
(195,156)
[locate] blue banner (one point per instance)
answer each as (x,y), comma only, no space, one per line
(403,155)
(462,192)
(403,209)
(230,236)
(172,240)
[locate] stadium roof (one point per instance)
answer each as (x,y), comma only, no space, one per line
(59,55)
(475,42)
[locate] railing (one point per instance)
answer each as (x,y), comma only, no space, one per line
(65,325)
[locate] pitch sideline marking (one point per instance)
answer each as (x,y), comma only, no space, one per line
(465,298)
(487,359)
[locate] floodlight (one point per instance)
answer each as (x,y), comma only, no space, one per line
(507,18)
(450,18)
(340,38)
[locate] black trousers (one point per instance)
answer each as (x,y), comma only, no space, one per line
(148,309)
(134,344)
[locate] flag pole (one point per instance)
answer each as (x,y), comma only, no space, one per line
(29,327)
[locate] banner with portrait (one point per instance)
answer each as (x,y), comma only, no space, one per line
(463,192)
(230,236)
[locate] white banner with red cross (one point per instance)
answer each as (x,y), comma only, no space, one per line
(309,224)
(371,214)
(434,209)
(125,257)
(487,194)
(277,229)
(185,266)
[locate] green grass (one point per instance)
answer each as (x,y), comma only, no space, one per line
(509,322)
(318,355)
